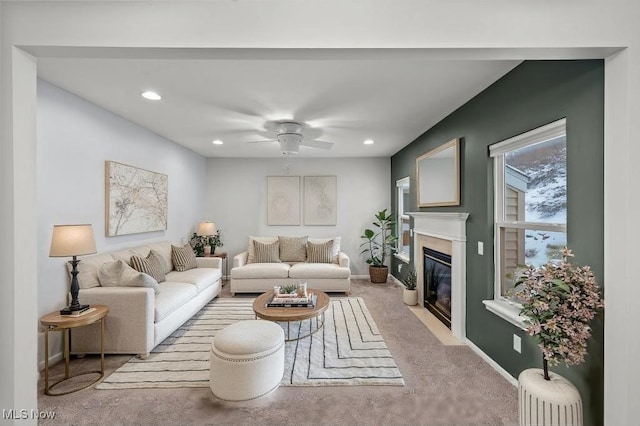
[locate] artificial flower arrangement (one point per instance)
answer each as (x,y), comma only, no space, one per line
(559,301)
(199,242)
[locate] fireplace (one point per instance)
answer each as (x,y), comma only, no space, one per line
(443,233)
(437,284)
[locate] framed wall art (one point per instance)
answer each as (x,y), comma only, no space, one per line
(136,200)
(320,200)
(283,200)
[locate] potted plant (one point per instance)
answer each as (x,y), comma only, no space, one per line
(410,294)
(559,301)
(199,242)
(378,245)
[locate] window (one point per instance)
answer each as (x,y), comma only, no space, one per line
(530,190)
(403,231)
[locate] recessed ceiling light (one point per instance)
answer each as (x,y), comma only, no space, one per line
(368,142)
(152,96)
(217,142)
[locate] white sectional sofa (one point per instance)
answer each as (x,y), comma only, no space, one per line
(140,318)
(251,276)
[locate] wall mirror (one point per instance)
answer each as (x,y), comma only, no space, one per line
(438,176)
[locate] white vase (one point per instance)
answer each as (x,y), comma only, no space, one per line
(554,402)
(410,297)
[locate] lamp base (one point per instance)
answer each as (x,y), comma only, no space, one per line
(75,310)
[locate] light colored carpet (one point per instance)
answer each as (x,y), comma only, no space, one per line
(348,350)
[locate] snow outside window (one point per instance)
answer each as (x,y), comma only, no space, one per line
(402,220)
(530,177)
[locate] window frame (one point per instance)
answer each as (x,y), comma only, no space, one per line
(500,305)
(401,215)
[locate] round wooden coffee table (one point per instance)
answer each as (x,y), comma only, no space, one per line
(293,314)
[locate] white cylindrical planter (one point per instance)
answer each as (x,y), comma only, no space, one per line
(554,402)
(410,297)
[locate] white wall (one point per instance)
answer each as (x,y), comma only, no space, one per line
(75,138)
(237,192)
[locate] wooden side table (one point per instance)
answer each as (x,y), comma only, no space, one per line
(56,322)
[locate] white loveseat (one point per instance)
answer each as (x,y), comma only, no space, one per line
(139,318)
(248,276)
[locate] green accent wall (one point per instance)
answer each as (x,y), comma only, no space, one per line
(531,95)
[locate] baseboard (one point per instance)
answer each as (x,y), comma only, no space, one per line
(504,373)
(55,342)
(360,277)
(52,360)
(366,277)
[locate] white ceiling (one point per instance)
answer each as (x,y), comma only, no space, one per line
(344,98)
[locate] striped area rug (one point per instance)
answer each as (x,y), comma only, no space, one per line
(348,350)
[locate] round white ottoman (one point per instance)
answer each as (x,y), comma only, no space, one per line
(247,360)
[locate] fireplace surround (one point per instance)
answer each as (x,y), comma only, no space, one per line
(445,233)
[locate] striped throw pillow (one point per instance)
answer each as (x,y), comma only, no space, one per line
(153,265)
(266,253)
(320,253)
(183,258)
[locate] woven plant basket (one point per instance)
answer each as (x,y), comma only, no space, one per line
(378,274)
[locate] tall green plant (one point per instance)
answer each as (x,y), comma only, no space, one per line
(381,242)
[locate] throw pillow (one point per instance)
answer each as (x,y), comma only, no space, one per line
(293,249)
(320,252)
(336,246)
(153,265)
(266,253)
(183,258)
(262,240)
(119,274)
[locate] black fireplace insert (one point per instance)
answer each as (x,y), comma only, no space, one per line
(437,284)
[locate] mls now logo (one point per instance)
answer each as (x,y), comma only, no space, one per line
(24,414)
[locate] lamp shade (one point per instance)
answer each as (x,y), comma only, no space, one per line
(72,240)
(206,229)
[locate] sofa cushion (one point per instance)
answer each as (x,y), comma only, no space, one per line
(153,265)
(261,270)
(320,252)
(336,245)
(171,297)
(266,252)
(125,254)
(164,249)
(318,271)
(262,240)
(200,277)
(293,249)
(183,258)
(119,274)
(88,269)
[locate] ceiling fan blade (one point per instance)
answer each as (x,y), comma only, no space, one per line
(317,144)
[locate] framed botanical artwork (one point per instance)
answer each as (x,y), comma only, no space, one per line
(283,200)
(136,200)
(320,200)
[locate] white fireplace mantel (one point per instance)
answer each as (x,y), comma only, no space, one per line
(450,227)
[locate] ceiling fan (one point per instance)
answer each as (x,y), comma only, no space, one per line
(289,135)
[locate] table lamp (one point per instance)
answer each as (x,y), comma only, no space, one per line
(207,229)
(72,240)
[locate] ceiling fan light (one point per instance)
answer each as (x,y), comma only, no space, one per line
(289,145)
